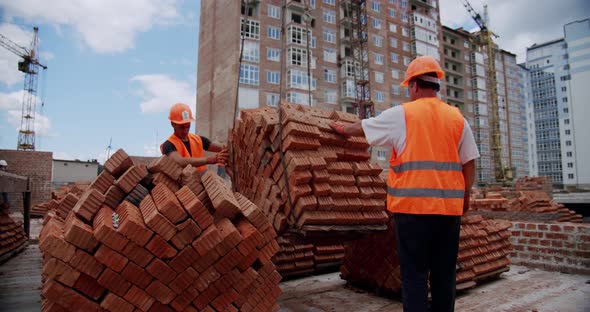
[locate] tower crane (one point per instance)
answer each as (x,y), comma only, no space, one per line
(30,66)
(502,173)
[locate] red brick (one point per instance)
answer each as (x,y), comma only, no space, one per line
(208,240)
(229,261)
(184,259)
(184,299)
(159,307)
(205,261)
(79,233)
(118,163)
(221,196)
(557,236)
(67,297)
(113,196)
(206,278)
(186,233)
(160,292)
(102,182)
(555,228)
(199,213)
(138,255)
(88,286)
(224,300)
(160,248)
(128,180)
(167,203)
(89,204)
(139,298)
(165,165)
(56,269)
(205,298)
(136,275)
(110,258)
(114,303)
(105,232)
(86,264)
(160,270)
(132,225)
(155,220)
(54,243)
(161,178)
(184,280)
(114,282)
(230,236)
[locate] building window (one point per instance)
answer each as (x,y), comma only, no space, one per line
(378,58)
(568,154)
(379,77)
(298,98)
(329,16)
(406,46)
(298,79)
(379,96)
(297,35)
(405,18)
(381,154)
(330,2)
(250,29)
(273,77)
(564,100)
(407,61)
(395,73)
(297,56)
(376,6)
(405,32)
(393,42)
(376,23)
(392,13)
(274,11)
(313,41)
(564,89)
(251,51)
(568,143)
(312,4)
(570,176)
(330,75)
(249,74)
(395,89)
(567,132)
(274,32)
(566,121)
(392,27)
(404,3)
(394,57)
(331,96)
(570,165)
(273,54)
(330,55)
(329,35)
(272,99)
(377,41)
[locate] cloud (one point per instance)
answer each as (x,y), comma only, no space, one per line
(11,101)
(106,26)
(152,149)
(42,124)
(519,24)
(9,73)
(160,92)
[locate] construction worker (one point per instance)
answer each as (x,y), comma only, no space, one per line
(430,177)
(3,167)
(186,148)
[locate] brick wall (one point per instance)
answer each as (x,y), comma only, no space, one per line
(563,247)
(35,165)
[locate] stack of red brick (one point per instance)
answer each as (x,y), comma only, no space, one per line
(57,196)
(484,247)
(330,180)
(138,240)
(297,258)
(522,205)
(544,184)
(12,236)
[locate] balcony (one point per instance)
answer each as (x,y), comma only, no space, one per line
(428,4)
(296,5)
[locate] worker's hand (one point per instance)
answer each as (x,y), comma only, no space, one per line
(339,128)
(466,200)
(219,158)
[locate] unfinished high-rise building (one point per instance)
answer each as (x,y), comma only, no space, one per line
(468,88)
(335,54)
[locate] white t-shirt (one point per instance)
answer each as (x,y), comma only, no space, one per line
(389,130)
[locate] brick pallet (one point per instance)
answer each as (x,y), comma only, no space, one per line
(12,236)
(484,247)
(522,205)
(333,186)
(131,243)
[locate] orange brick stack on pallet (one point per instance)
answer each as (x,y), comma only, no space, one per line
(328,256)
(373,263)
(297,258)
(544,184)
(12,236)
(131,243)
(331,181)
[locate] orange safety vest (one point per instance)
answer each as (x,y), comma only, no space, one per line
(427,177)
(196,145)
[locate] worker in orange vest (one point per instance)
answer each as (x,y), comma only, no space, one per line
(189,149)
(430,177)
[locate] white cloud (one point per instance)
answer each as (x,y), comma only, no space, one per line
(160,92)
(11,101)
(519,24)
(152,150)
(9,73)
(106,26)
(42,124)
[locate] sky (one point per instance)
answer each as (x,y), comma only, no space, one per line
(115,67)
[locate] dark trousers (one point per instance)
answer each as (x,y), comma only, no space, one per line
(427,244)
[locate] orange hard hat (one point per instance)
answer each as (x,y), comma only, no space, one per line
(420,66)
(180,114)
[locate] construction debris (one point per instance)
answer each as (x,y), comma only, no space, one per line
(484,247)
(130,242)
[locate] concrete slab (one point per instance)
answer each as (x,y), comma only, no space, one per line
(520,289)
(20,281)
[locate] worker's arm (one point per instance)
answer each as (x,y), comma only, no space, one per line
(468,177)
(216,147)
(220,158)
(353,129)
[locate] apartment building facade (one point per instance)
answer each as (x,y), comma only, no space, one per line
(318,33)
(559,79)
(466,77)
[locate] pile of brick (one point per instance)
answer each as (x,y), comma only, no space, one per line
(522,205)
(12,236)
(544,184)
(484,247)
(330,180)
(138,240)
(75,189)
(298,258)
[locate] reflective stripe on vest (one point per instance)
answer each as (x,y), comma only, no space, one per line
(196,145)
(427,176)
